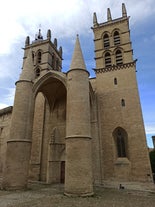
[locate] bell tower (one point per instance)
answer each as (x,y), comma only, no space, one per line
(121,122)
(45,53)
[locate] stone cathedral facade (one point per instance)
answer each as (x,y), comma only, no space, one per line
(72,129)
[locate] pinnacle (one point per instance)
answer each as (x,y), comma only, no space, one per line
(77,58)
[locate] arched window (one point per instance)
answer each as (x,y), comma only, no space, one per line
(106,41)
(116,38)
(123,102)
(39,57)
(37,72)
(120,137)
(107,59)
(115,81)
(119,58)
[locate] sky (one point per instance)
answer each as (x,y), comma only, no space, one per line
(66,18)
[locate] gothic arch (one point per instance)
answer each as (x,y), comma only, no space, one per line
(121,142)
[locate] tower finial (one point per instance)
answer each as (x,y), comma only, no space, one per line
(48,34)
(27,41)
(124,12)
(39,36)
(109,18)
(95,19)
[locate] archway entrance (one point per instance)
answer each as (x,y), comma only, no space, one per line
(49,131)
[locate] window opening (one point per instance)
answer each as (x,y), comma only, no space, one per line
(120,141)
(119,59)
(115,81)
(39,57)
(123,102)
(106,41)
(107,59)
(116,38)
(37,72)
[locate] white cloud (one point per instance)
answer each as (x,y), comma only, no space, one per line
(3,105)
(66,18)
(150,128)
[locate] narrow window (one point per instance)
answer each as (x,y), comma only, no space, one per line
(107,59)
(39,57)
(119,59)
(120,141)
(37,72)
(123,102)
(53,61)
(106,41)
(1,129)
(57,65)
(33,57)
(115,81)
(116,38)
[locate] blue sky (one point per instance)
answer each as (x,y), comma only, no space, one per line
(66,18)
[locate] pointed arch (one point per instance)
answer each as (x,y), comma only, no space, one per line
(106,41)
(120,138)
(107,58)
(118,57)
(116,37)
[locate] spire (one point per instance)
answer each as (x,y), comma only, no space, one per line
(124,13)
(109,18)
(77,58)
(95,19)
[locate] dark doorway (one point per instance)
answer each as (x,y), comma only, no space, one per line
(62,177)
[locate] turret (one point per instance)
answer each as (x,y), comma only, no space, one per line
(78,137)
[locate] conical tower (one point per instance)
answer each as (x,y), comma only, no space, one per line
(19,144)
(78,177)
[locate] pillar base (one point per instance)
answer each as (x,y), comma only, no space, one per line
(15,175)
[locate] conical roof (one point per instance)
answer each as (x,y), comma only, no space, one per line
(77,58)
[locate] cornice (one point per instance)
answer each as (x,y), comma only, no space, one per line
(115,67)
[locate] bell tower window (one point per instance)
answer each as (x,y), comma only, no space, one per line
(107,59)
(119,58)
(116,38)
(106,41)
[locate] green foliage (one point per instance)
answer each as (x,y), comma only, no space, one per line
(152,160)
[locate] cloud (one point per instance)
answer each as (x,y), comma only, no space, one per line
(150,128)
(3,105)
(66,18)
(8,97)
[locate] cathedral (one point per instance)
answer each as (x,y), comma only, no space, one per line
(66,127)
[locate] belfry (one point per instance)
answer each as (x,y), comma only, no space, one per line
(66,127)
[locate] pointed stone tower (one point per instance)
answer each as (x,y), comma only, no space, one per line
(19,144)
(78,177)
